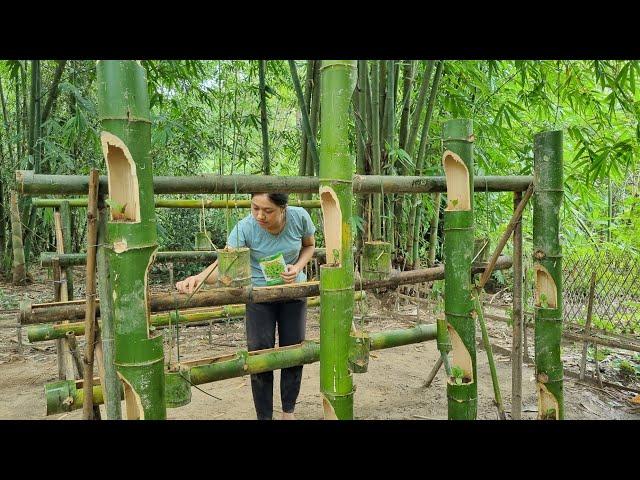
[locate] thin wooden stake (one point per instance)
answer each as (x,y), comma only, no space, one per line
(587,327)
(90,313)
(517,325)
(515,219)
(434,372)
(65,360)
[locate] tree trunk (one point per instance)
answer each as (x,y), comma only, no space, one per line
(547,258)
(306,124)
(266,166)
(123,108)
(375,150)
(302,167)
(19,267)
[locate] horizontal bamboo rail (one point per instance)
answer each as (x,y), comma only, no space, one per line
(30,183)
(58,311)
(75,259)
(67,396)
(174,203)
(48,331)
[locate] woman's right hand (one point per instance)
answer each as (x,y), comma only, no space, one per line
(189,284)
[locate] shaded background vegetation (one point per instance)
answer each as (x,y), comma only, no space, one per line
(207,119)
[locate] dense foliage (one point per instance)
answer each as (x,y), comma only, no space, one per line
(206,118)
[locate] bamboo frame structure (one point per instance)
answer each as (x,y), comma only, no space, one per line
(48,331)
(547,258)
(53,312)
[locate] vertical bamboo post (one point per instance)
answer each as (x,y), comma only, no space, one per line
(19,269)
(123,108)
(547,256)
(111,387)
(336,276)
(90,323)
(462,391)
(516,338)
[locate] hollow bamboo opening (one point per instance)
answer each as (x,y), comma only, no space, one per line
(461,357)
(546,295)
(332,220)
(457,174)
(122,178)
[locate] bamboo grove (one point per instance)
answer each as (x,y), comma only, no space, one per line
(348,123)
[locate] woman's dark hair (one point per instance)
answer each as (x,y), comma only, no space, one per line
(280,199)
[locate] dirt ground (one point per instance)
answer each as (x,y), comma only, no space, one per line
(393,388)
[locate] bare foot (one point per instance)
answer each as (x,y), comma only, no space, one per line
(288,416)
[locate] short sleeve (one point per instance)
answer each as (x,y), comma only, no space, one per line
(308,228)
(237,237)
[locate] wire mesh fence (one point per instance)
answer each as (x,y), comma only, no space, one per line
(616,301)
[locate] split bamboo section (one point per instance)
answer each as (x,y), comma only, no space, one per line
(547,258)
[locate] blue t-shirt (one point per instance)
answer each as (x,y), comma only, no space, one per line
(248,233)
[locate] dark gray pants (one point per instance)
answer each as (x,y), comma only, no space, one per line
(261,320)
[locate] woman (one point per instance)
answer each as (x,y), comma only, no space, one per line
(271,228)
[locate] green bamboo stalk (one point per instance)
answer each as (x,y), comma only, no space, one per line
(266,167)
(433,235)
(314,118)
(412,239)
(308,86)
(375,149)
(389,113)
(336,277)
(306,124)
(547,257)
(487,347)
(66,396)
(458,252)
(175,203)
(29,183)
(123,108)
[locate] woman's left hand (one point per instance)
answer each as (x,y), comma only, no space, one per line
(290,273)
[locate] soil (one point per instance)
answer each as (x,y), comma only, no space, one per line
(393,387)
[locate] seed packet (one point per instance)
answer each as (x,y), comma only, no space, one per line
(272,266)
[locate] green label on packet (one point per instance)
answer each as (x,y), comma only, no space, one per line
(272,266)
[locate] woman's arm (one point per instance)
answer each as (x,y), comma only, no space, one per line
(306,252)
(208,275)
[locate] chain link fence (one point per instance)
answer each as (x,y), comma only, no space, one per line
(616,301)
